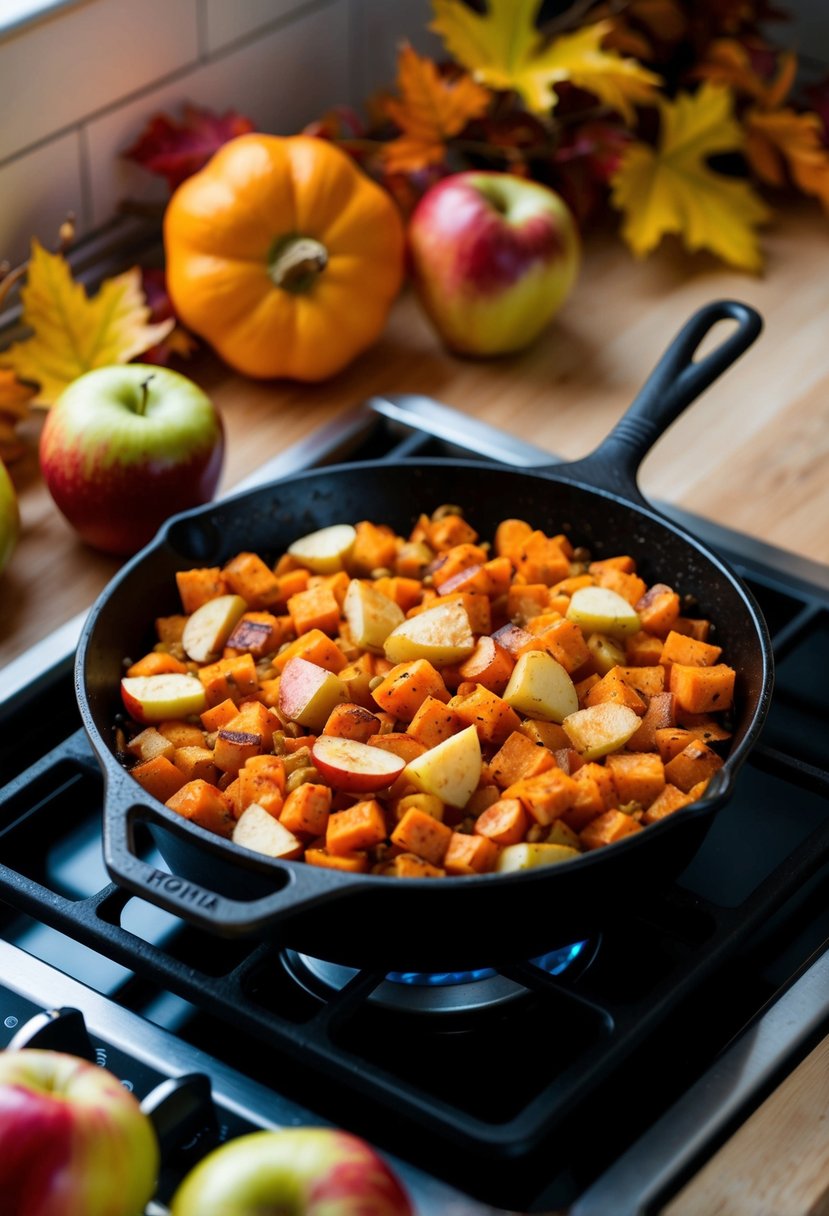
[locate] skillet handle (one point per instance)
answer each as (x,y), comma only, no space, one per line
(676,381)
(296,887)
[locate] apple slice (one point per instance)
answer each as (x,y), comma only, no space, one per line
(325,551)
(171,695)
(442,634)
(209,627)
(258,830)
(355,767)
(371,615)
(527,856)
(601,729)
(540,688)
(600,610)
(308,693)
(451,770)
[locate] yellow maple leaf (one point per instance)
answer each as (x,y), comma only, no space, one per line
(784,139)
(72,332)
(14,407)
(432,108)
(504,49)
(672,189)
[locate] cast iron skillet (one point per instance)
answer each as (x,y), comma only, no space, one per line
(374,921)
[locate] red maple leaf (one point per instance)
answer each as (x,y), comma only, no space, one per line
(178,343)
(818,95)
(176,150)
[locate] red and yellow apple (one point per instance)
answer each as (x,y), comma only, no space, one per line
(494,257)
(169,695)
(307,1171)
(9,517)
(125,447)
(73,1140)
(308,693)
(355,767)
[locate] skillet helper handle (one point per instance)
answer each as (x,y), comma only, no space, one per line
(676,381)
(298,886)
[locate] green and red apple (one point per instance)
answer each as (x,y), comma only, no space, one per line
(125,447)
(494,257)
(9,517)
(73,1140)
(305,1171)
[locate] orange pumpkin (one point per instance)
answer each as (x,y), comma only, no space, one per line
(283,255)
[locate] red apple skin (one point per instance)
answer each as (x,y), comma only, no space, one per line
(493,257)
(73,1141)
(308,1171)
(355,780)
(117,475)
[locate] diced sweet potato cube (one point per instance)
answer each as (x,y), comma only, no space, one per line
(646,682)
(359,827)
(588,803)
(170,629)
(255,718)
(703,690)
(196,587)
(548,734)
(505,822)
(454,560)
(615,689)
(492,717)
(608,828)
(204,804)
(622,561)
(349,863)
(510,535)
(695,763)
(407,686)
(234,748)
(423,835)
(409,865)
(489,664)
(259,633)
(219,715)
(405,592)
(638,777)
(434,722)
(670,800)
(568,760)
(703,727)
(306,809)
(157,663)
(262,780)
(540,559)
(630,586)
(694,627)
(247,575)
(526,600)
(399,743)
(643,649)
(546,796)
(451,530)
(658,609)
(159,777)
(469,854)
(565,642)
(315,608)
(519,757)
(234,678)
(315,647)
(679,648)
(375,548)
(183,734)
(515,640)
(351,721)
(670,741)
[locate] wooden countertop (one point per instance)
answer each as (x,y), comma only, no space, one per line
(750,454)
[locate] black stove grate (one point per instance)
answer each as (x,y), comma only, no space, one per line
(498,1104)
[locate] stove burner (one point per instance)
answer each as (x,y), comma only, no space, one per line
(428,992)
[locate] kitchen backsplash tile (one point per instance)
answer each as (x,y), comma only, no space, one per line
(268,80)
(61,70)
(31,204)
(225,23)
(77,86)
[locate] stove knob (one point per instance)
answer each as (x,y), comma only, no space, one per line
(55,1030)
(183,1114)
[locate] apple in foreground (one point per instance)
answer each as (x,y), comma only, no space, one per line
(73,1140)
(355,767)
(125,447)
(493,257)
(305,1171)
(9,517)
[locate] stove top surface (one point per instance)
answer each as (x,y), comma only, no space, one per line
(531,1088)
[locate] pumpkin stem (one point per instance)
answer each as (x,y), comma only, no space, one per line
(296,262)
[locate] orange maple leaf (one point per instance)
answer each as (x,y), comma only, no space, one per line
(783,143)
(431,109)
(729,62)
(14,407)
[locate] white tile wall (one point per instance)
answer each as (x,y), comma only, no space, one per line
(79,84)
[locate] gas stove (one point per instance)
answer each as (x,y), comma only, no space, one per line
(596,1078)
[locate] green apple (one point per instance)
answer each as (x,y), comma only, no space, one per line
(301,1171)
(9,517)
(494,256)
(73,1140)
(125,447)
